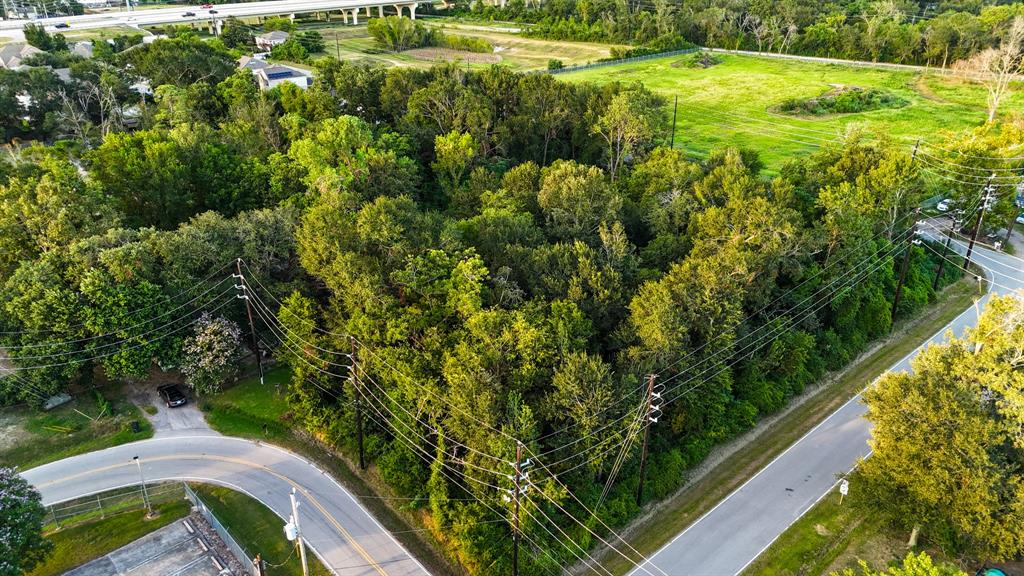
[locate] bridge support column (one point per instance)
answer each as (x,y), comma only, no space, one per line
(344,16)
(292,16)
(355,16)
(412,11)
(218,26)
(398,10)
(380,11)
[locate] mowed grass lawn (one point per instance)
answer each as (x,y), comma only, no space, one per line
(731,103)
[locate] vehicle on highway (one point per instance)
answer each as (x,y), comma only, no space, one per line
(188,14)
(205,6)
(213,11)
(172,395)
(62,25)
(944,205)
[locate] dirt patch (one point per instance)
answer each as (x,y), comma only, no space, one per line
(12,430)
(821,530)
(449,55)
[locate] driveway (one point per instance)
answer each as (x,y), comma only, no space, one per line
(178,421)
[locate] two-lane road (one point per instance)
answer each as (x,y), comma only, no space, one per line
(731,535)
(341,532)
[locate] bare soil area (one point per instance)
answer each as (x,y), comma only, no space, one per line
(449,55)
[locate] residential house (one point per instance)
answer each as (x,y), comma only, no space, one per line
(277,74)
(83,49)
(268,40)
(13,54)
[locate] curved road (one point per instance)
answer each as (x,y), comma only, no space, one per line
(341,533)
(733,534)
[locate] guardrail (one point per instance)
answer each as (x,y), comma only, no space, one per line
(578,67)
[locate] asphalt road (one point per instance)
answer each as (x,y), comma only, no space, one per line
(340,531)
(731,535)
(137,18)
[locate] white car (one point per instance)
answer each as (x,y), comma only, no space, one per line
(1020,219)
(944,205)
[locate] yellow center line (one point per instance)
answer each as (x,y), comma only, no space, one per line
(330,518)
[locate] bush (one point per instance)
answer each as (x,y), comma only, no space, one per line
(844,100)
(555,64)
(467,43)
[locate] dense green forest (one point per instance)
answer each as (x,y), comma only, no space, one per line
(503,257)
(899,31)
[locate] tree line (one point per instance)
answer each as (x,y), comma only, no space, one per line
(509,254)
(895,31)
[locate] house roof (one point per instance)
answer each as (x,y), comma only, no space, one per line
(274,35)
(83,49)
(12,54)
(250,63)
(277,71)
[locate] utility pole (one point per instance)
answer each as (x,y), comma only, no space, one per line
(903,275)
(520,485)
(337,47)
(248,308)
(359,403)
(145,493)
(985,199)
(650,417)
(945,252)
(913,155)
(294,521)
(675,108)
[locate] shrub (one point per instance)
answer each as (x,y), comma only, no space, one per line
(844,100)
(211,353)
(555,64)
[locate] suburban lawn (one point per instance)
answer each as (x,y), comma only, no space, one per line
(666,519)
(32,437)
(256,529)
(732,103)
(82,543)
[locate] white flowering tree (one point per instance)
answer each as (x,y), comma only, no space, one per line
(22,545)
(211,354)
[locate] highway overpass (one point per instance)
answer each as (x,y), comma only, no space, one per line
(351,10)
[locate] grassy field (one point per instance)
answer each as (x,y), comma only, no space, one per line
(517,52)
(79,544)
(731,103)
(255,527)
(31,437)
(672,516)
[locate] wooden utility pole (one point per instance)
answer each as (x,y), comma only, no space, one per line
(515,514)
(649,418)
(986,197)
(903,274)
(945,252)
(359,403)
(248,308)
(675,108)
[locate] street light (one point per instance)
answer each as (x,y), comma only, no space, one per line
(145,494)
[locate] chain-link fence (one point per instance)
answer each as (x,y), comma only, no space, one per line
(233,546)
(577,67)
(99,506)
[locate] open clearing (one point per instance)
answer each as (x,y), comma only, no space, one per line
(517,52)
(730,103)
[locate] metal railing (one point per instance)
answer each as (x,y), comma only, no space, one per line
(234,547)
(578,67)
(100,506)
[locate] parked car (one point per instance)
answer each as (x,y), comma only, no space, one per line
(62,25)
(1020,219)
(188,14)
(944,205)
(172,395)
